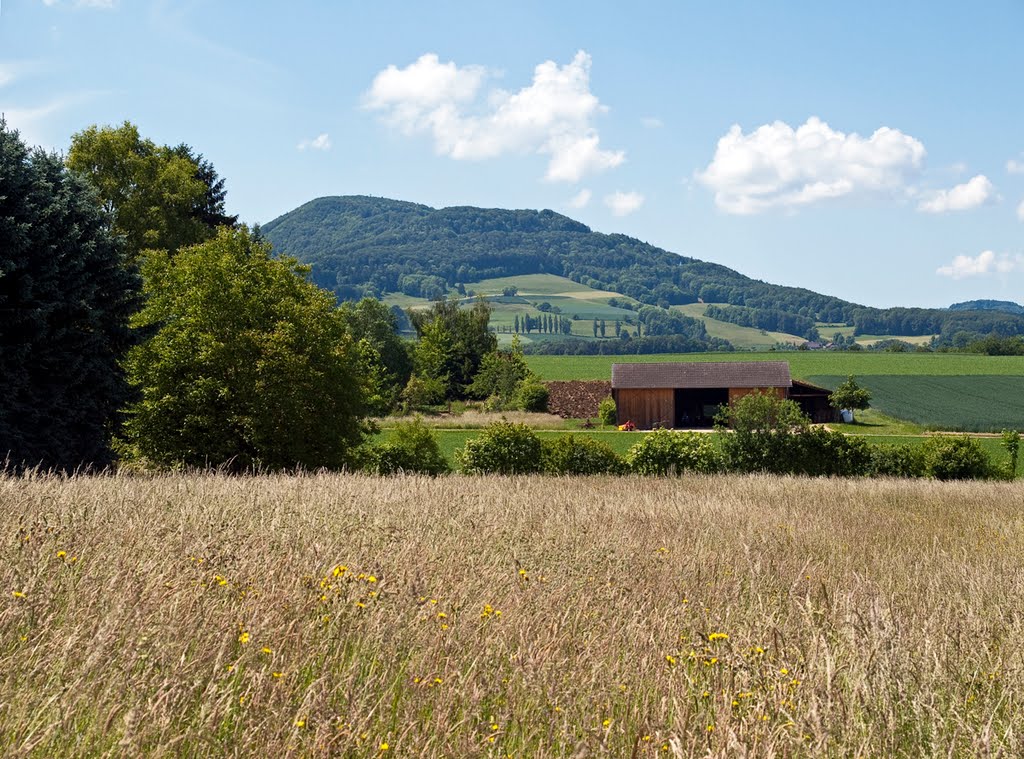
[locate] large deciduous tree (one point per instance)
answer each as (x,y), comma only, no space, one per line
(160,197)
(250,365)
(66,295)
(452,343)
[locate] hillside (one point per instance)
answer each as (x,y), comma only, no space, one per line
(359,246)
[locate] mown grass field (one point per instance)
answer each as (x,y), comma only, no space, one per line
(572,298)
(975,403)
(338,615)
(802,364)
(741,337)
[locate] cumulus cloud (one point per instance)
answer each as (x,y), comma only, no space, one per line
(1013,166)
(986,262)
(581,199)
(553,116)
(624,203)
(777,166)
(320,142)
(973,193)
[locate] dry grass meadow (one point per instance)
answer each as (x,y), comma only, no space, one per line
(333,615)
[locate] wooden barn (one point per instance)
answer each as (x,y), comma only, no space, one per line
(690,394)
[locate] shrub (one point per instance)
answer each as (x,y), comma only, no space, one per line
(903,460)
(607,412)
(1011,444)
(412,448)
(502,448)
(532,396)
(666,452)
(957,458)
(826,453)
(580,455)
(423,391)
(764,435)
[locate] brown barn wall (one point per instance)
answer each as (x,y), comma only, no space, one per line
(735,393)
(646,408)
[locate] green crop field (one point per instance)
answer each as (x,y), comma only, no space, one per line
(977,403)
(803,364)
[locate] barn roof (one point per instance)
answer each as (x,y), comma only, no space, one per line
(700,374)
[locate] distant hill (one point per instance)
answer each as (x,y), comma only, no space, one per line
(364,246)
(1006,306)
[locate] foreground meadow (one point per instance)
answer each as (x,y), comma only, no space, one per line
(348,615)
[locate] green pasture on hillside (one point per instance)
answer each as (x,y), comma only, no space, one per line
(741,337)
(973,403)
(570,298)
(802,364)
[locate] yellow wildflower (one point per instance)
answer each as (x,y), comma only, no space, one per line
(244,638)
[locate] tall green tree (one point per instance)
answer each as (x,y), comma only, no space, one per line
(374,325)
(159,197)
(250,364)
(453,342)
(66,295)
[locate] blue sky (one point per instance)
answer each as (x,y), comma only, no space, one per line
(869,150)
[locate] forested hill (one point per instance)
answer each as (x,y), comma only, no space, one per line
(358,246)
(989,305)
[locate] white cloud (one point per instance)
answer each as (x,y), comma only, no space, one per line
(581,199)
(985,262)
(31,122)
(624,203)
(652,122)
(973,193)
(777,166)
(320,142)
(7,74)
(1020,211)
(1013,166)
(553,116)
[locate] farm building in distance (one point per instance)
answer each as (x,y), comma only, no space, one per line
(685,395)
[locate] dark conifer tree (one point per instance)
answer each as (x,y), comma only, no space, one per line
(66,295)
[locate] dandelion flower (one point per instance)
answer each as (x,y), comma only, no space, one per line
(18,594)
(266,650)
(300,723)
(244,638)
(384,747)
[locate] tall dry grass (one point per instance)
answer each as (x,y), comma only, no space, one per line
(202,615)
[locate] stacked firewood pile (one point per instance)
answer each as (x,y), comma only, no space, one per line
(577,399)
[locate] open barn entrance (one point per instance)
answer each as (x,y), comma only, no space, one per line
(697,407)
